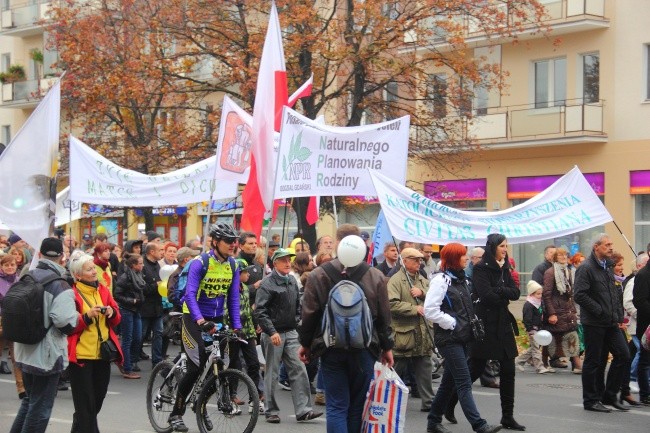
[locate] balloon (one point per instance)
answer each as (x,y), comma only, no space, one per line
(351,251)
(166,271)
(162,288)
(543,338)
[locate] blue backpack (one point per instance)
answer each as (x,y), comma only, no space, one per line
(347,320)
(177,295)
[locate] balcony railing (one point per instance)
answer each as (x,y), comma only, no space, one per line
(25,93)
(21,19)
(562,16)
(525,125)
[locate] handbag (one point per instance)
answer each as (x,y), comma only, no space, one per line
(645,339)
(386,401)
(107,348)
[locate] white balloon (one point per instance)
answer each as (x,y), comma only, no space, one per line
(166,271)
(543,338)
(351,251)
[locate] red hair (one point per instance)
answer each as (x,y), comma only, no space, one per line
(100,248)
(450,256)
(169,245)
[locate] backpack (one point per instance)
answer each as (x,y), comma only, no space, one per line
(176,295)
(22,309)
(347,321)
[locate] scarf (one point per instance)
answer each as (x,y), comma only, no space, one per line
(619,279)
(100,262)
(501,262)
(136,278)
(533,300)
(562,283)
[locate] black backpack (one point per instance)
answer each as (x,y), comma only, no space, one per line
(22,309)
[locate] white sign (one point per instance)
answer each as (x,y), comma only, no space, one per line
(95,179)
(321,160)
(67,210)
(567,206)
(234,144)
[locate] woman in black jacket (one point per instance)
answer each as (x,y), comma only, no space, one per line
(449,306)
(129,295)
(493,291)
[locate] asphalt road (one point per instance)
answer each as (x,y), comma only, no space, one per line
(544,403)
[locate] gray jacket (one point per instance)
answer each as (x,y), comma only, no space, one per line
(50,355)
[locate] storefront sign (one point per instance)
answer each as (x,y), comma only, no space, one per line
(456,190)
(529,186)
(640,182)
(165,211)
(567,206)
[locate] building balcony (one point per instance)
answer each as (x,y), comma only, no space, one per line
(562,17)
(21,20)
(524,126)
(25,94)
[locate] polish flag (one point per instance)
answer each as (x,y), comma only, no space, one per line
(271,95)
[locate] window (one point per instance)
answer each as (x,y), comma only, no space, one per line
(590,78)
(641,221)
(550,83)
(5,62)
(6,134)
(391,96)
(647,71)
(436,95)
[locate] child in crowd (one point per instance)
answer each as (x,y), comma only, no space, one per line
(532,312)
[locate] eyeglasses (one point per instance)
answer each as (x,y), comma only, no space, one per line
(417,259)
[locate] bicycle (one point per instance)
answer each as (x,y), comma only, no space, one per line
(215,396)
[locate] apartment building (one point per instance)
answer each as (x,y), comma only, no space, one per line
(584,102)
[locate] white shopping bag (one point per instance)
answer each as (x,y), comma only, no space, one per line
(385,408)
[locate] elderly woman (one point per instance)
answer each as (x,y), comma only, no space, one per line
(494,288)
(90,372)
(561,318)
(449,306)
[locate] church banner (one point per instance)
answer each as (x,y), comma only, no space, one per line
(568,206)
(95,179)
(234,144)
(321,160)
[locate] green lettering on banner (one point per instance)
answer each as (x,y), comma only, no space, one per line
(184,187)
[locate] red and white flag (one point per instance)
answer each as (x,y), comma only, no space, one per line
(271,95)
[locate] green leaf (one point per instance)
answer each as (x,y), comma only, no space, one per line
(303,154)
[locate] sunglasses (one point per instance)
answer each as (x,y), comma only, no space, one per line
(229,240)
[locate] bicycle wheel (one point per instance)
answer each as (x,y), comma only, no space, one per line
(161,395)
(217,408)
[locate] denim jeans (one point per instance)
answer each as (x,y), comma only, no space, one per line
(347,376)
(156,324)
(456,374)
(635,353)
(643,374)
(131,338)
(36,408)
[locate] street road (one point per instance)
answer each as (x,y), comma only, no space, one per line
(544,403)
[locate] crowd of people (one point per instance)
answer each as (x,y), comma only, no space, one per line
(276,296)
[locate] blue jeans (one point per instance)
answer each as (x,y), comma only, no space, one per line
(456,375)
(347,376)
(156,324)
(131,338)
(36,408)
(635,361)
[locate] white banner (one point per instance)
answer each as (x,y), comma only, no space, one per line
(95,179)
(568,206)
(27,169)
(234,144)
(322,160)
(67,210)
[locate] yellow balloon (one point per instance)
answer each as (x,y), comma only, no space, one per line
(162,288)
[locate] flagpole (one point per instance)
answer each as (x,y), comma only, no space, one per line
(624,237)
(207,220)
(284,222)
(336,215)
(298,218)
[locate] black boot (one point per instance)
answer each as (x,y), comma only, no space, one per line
(449,415)
(4,368)
(508,422)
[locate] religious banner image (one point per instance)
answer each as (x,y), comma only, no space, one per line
(234,144)
(322,160)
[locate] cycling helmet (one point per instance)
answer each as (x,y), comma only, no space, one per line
(222,231)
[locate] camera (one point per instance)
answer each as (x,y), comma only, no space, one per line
(102,310)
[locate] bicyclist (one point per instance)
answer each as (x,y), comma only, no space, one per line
(203,306)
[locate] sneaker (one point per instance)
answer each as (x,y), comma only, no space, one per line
(63,386)
(520,366)
(234,410)
(319,399)
(550,369)
(130,375)
(261,407)
(308,416)
(284,384)
(542,370)
(177,424)
(634,387)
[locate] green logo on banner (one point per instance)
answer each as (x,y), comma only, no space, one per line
(294,166)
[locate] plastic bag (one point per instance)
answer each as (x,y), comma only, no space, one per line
(385,408)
